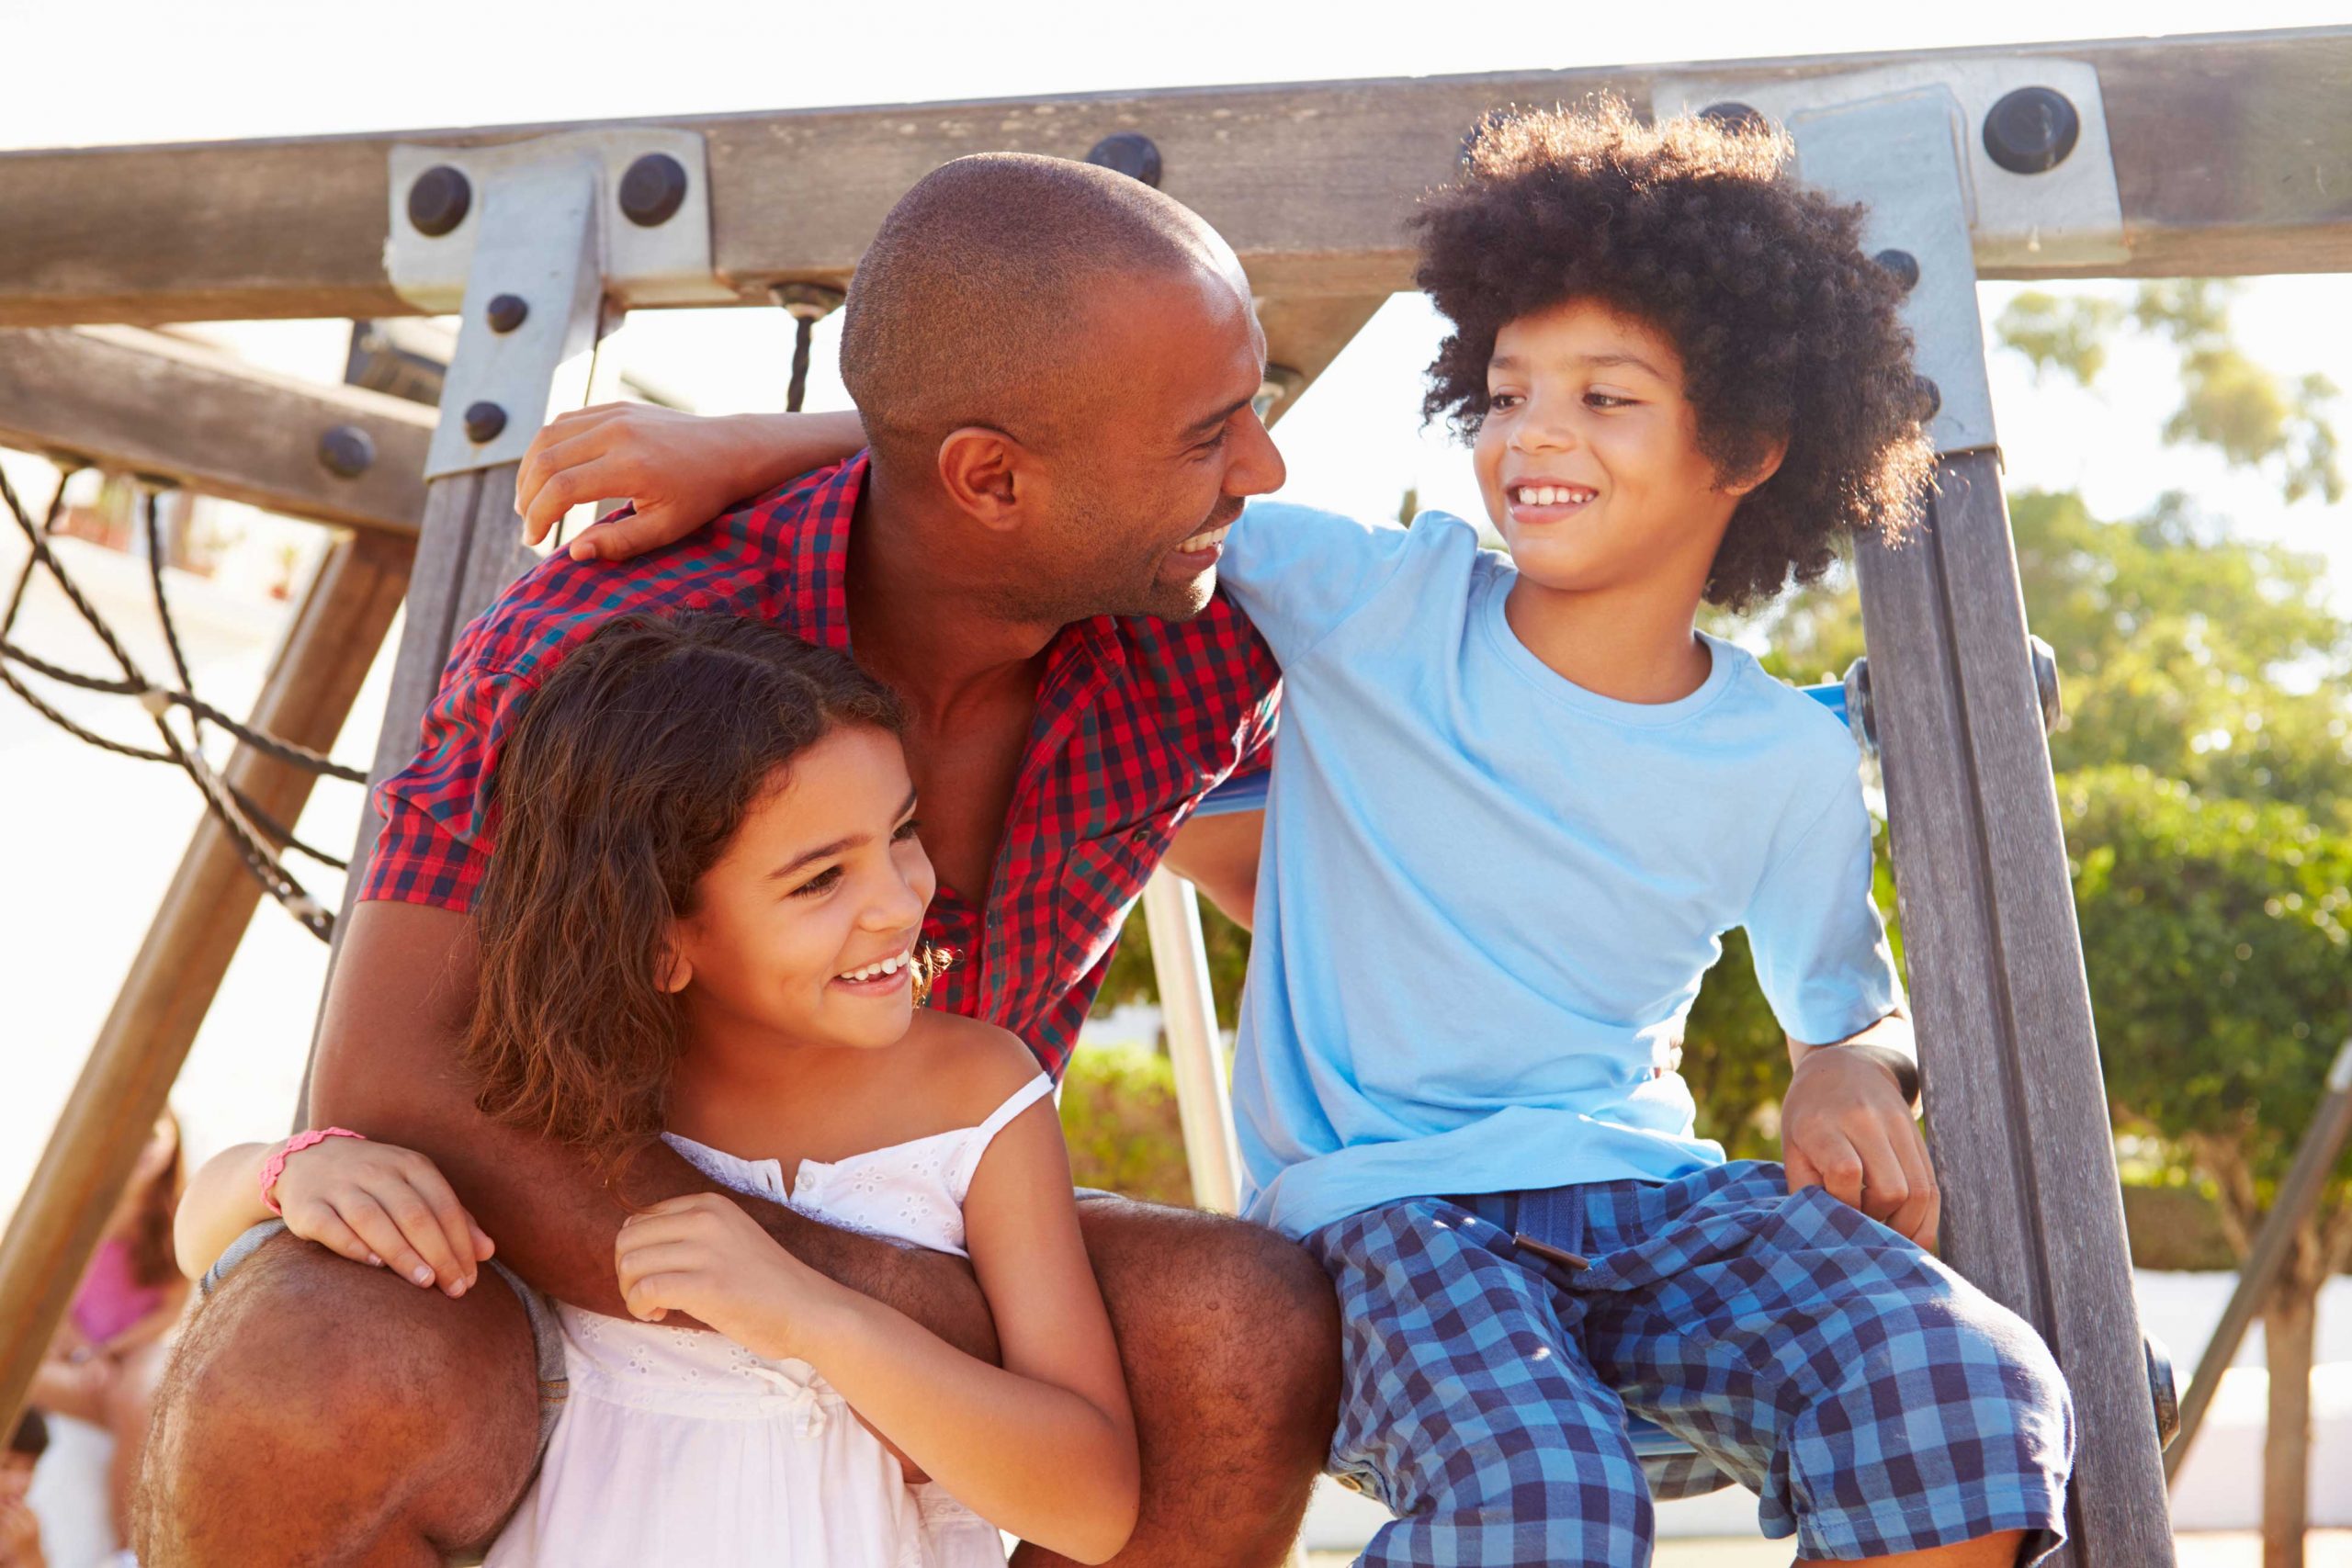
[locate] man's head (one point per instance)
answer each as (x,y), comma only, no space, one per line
(1607,280)
(1067,357)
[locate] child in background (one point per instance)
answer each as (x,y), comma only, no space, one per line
(701,926)
(103,1366)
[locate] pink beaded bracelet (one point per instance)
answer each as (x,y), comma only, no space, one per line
(275,1166)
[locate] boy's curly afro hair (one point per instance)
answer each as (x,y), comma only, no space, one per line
(1785,328)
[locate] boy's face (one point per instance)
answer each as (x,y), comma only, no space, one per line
(1589,456)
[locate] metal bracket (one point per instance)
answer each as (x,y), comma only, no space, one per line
(2069,213)
(652,228)
(533,241)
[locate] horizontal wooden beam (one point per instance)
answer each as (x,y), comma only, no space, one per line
(141,402)
(2230,153)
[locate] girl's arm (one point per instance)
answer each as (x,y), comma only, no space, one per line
(371,1202)
(1043,1447)
(154,1325)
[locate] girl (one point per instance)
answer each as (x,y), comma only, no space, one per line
(104,1364)
(701,925)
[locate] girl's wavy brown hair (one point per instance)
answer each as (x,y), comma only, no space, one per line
(1786,330)
(622,784)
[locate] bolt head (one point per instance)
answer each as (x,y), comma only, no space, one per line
(506,312)
(1902,265)
(1130,152)
(1931,397)
(439,201)
(2031,131)
(346,451)
(806,301)
(484,421)
(653,190)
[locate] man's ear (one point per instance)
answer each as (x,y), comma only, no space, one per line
(988,473)
(1765,468)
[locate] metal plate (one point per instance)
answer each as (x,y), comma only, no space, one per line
(2070,216)
(1895,155)
(667,264)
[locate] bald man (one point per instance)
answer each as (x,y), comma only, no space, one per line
(1055,367)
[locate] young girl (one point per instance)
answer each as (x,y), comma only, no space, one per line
(104,1364)
(701,925)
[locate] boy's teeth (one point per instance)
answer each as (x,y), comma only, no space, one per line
(1551,495)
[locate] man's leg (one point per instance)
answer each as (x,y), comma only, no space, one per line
(318,1411)
(1470,1409)
(1885,1408)
(1230,1342)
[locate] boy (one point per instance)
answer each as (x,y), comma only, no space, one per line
(1515,805)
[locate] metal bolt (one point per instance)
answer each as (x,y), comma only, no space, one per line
(1734,116)
(1931,397)
(1902,265)
(2045,682)
(346,451)
(1860,715)
(2031,131)
(439,201)
(506,312)
(806,301)
(653,190)
(1130,152)
(483,422)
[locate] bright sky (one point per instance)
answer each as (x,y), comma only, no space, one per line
(153,72)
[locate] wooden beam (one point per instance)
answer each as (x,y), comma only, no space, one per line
(196,933)
(2230,152)
(149,404)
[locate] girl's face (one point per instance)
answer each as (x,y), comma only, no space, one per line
(1589,456)
(806,928)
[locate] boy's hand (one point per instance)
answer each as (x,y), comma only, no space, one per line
(703,1256)
(382,1206)
(1845,1129)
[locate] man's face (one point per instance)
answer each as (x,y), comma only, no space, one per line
(1140,506)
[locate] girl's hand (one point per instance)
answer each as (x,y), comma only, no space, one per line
(383,1206)
(703,1256)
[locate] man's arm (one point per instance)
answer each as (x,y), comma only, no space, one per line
(677,471)
(1220,856)
(389,1067)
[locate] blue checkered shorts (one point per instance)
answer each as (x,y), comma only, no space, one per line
(1875,1400)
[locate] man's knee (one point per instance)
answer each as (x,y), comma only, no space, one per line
(308,1382)
(1220,1319)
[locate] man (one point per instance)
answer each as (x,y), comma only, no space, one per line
(1054,365)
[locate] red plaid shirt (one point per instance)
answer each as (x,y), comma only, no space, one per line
(1136,719)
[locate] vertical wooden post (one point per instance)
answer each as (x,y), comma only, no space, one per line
(203,916)
(1180,962)
(2017,1113)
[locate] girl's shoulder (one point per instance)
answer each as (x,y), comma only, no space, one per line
(966,1069)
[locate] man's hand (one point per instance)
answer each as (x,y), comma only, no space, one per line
(1844,1128)
(679,471)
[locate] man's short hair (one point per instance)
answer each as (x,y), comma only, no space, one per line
(31,1437)
(966,309)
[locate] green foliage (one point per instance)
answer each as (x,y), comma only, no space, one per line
(2228,402)
(2218,936)
(1131,979)
(1119,1117)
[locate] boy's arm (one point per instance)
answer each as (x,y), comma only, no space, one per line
(677,471)
(1848,1126)
(388,1066)
(1220,856)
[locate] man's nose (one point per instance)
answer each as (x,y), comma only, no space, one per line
(1257,467)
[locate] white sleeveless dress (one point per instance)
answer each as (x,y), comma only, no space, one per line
(680,1447)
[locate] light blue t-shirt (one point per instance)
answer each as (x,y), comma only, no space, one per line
(1486,895)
